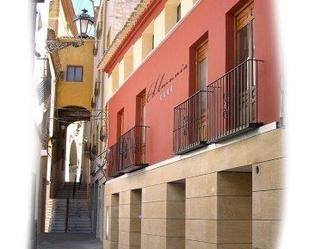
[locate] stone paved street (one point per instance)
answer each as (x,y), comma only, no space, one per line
(68,241)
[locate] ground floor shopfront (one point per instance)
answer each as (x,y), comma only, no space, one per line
(226,196)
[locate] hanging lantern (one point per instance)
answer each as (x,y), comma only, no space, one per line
(84,22)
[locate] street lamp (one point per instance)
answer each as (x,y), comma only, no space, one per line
(83,22)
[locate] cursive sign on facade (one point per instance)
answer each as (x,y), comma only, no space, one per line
(163,82)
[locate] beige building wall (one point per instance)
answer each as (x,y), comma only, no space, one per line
(186,5)
(137,53)
(159,28)
(170,14)
(142,47)
(63,27)
(125,67)
(58,21)
(213,199)
(267,196)
(115,79)
(76,93)
(167,18)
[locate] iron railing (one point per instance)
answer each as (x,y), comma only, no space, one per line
(129,153)
(227,107)
(113,161)
(190,123)
(232,101)
(133,148)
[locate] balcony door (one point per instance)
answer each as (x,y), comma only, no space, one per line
(140,131)
(201,85)
(244,88)
(141,109)
(120,143)
(244,34)
(120,124)
(202,66)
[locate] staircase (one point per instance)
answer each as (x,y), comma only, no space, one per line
(78,212)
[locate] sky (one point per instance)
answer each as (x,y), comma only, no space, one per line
(80,4)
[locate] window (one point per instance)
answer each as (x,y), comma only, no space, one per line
(178,13)
(74,73)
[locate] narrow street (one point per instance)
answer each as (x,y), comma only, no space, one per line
(161,125)
(68,241)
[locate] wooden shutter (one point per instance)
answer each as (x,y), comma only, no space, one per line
(244,16)
(202,51)
(201,55)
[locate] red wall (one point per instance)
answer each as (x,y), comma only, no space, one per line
(210,18)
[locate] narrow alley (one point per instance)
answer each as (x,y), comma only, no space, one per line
(161,125)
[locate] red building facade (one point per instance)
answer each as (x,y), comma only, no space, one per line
(214,76)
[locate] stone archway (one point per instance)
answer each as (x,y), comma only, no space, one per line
(73,163)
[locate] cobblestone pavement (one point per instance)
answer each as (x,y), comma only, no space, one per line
(68,241)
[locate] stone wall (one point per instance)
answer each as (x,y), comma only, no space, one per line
(118,12)
(217,199)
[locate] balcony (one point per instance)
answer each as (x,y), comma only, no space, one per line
(113,159)
(190,123)
(226,108)
(129,153)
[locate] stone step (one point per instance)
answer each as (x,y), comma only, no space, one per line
(84,216)
(80,231)
(78,220)
(81,225)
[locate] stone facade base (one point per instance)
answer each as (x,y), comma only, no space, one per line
(226,198)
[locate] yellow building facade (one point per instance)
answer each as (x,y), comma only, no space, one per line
(76,92)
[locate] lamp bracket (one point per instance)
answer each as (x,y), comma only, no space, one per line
(53,46)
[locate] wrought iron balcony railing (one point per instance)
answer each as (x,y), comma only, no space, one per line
(129,153)
(227,107)
(133,148)
(190,123)
(113,161)
(232,102)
